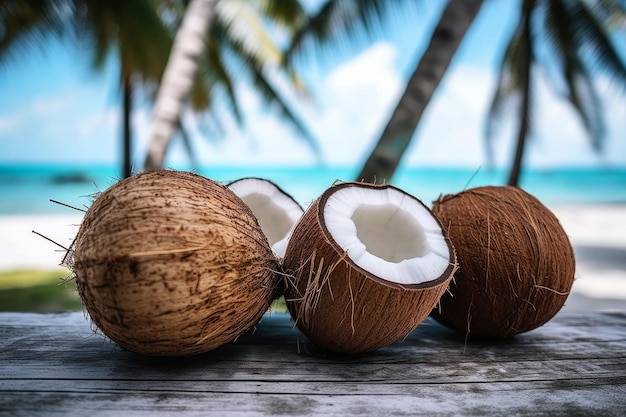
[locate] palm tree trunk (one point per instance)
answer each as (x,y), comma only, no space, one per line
(126,133)
(525,90)
(454,23)
(189,44)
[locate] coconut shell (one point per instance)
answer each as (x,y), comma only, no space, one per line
(277,221)
(516,264)
(342,307)
(171,263)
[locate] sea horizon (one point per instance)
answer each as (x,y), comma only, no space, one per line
(28,188)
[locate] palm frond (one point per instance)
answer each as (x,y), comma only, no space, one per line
(243,25)
(586,101)
(184,134)
(130,28)
(574,32)
(219,75)
(556,30)
(611,13)
(514,81)
(582,46)
(508,84)
(228,62)
(343,22)
(239,48)
(594,37)
(274,98)
(28,24)
(255,73)
(288,14)
(199,97)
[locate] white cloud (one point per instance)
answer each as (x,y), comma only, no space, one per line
(348,109)
(77,125)
(559,137)
(102,120)
(360,97)
(9,123)
(39,111)
(49,106)
(352,104)
(451,132)
(355,100)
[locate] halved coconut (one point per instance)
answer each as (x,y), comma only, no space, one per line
(367,264)
(276,211)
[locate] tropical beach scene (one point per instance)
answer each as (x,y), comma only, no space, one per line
(432,97)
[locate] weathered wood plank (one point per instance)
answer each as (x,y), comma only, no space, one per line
(459,371)
(463,400)
(576,364)
(261,385)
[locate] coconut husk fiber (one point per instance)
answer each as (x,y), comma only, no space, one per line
(342,307)
(170,263)
(516,264)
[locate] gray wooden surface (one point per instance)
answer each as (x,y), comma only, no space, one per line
(574,365)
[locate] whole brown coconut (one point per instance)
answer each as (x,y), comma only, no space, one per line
(171,263)
(366,264)
(516,264)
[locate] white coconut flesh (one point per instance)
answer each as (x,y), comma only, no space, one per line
(276,212)
(387,233)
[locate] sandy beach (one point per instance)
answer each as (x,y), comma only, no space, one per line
(598,234)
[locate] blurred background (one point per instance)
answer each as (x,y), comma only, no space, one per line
(433,96)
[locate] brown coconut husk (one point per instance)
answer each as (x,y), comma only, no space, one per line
(340,306)
(171,263)
(517,265)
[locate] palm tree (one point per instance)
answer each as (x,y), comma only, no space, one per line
(343,19)
(577,38)
(131,29)
(455,20)
(581,48)
(178,77)
(218,44)
(577,34)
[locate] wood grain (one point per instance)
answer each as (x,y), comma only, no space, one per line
(574,365)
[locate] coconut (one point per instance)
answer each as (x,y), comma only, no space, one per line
(366,264)
(276,210)
(171,263)
(516,263)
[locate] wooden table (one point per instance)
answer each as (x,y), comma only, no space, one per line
(574,365)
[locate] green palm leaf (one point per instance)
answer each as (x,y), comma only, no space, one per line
(571,28)
(27,24)
(584,97)
(581,46)
(272,96)
(509,85)
(245,28)
(130,28)
(255,72)
(344,22)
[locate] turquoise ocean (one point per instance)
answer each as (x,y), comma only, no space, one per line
(29,189)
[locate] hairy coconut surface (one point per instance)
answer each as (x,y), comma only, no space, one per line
(516,264)
(365,264)
(276,210)
(172,263)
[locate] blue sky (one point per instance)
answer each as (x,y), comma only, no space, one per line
(54,108)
